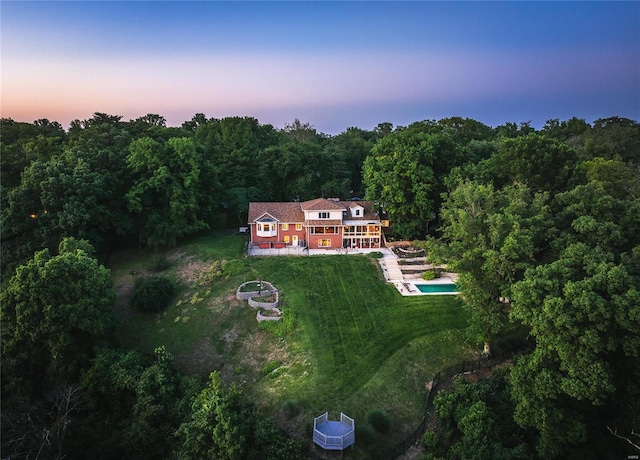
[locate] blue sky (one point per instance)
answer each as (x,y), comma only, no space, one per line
(332,64)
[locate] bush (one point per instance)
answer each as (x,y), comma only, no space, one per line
(429,275)
(375,255)
(379,420)
(152,293)
(365,434)
(430,440)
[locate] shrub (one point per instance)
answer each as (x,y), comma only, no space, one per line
(152,293)
(430,440)
(375,255)
(429,275)
(379,420)
(365,434)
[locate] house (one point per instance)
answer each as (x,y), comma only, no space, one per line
(321,223)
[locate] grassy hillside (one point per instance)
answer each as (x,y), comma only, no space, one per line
(357,344)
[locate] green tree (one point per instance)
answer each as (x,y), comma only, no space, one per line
(231,148)
(570,131)
(293,171)
(152,293)
(301,132)
(219,427)
(494,236)
(619,180)
(56,199)
(590,215)
(54,311)
(348,151)
(399,176)
(544,164)
(23,143)
(465,130)
(475,420)
(614,137)
(197,120)
(166,194)
(135,403)
(232,145)
(584,312)
(224,426)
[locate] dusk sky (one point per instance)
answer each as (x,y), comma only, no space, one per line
(331,64)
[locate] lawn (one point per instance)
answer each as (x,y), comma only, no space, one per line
(357,343)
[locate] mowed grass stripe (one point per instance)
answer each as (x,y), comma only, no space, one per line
(353,322)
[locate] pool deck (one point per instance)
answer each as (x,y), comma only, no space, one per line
(408,287)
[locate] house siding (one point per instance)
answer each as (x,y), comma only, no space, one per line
(335,239)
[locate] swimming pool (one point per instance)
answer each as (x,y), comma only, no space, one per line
(440,288)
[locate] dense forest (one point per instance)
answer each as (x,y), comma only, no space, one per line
(542,225)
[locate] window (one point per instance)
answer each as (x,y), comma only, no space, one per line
(266,229)
(298,227)
(285,227)
(324,243)
(357,212)
(286,239)
(323,215)
(323,230)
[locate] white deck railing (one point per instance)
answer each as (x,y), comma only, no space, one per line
(333,442)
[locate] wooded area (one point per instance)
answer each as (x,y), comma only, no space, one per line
(542,226)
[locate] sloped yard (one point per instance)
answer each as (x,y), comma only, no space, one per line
(357,344)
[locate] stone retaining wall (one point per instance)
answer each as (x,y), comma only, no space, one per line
(268,290)
(260,317)
(267,305)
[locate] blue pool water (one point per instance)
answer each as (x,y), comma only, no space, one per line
(435,288)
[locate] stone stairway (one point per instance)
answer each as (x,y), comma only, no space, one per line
(390,268)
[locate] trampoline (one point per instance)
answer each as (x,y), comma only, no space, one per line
(333,434)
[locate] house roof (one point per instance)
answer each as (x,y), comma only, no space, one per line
(289,212)
(284,212)
(322,204)
(367,214)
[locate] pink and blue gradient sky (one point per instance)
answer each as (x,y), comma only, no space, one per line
(332,64)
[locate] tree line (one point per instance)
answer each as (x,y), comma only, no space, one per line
(542,226)
(141,182)
(545,233)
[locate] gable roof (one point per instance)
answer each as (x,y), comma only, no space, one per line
(290,212)
(367,213)
(283,211)
(322,204)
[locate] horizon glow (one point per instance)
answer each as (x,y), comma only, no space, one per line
(247,65)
